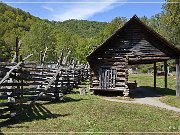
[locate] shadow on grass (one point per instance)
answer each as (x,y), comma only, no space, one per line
(74,92)
(140,92)
(35,112)
(86,82)
(65,100)
(109,93)
(78,87)
(69,99)
(147,91)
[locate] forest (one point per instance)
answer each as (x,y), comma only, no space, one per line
(79,36)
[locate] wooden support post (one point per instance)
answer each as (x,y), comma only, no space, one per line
(60,60)
(155,72)
(165,74)
(126,91)
(90,78)
(17,49)
(56,57)
(56,92)
(41,57)
(177,77)
(22,65)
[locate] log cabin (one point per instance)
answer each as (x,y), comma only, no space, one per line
(134,43)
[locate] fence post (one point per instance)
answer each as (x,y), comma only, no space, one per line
(56,91)
(17,49)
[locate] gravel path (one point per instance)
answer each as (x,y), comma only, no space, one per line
(146,97)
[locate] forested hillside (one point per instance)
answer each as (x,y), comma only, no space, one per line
(36,34)
(13,22)
(80,36)
(83,28)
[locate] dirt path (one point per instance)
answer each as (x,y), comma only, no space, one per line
(146,97)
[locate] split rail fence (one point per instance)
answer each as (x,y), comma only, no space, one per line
(26,82)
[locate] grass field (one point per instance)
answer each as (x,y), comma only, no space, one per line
(91,114)
(78,113)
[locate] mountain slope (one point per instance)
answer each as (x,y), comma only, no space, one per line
(84,28)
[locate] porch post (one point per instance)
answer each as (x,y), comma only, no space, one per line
(155,72)
(177,77)
(165,74)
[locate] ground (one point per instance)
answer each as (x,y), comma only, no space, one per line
(86,113)
(145,97)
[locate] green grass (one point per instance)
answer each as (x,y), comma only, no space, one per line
(171,100)
(168,96)
(147,80)
(92,114)
(78,113)
(1,101)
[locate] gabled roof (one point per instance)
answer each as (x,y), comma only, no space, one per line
(166,44)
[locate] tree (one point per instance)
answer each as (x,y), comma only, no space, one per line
(37,39)
(111,27)
(171,22)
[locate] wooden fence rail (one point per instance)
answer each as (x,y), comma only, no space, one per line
(22,82)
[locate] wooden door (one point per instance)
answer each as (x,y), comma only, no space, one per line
(107,78)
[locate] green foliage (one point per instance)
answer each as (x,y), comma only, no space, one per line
(79,36)
(154,22)
(37,39)
(110,28)
(83,28)
(144,70)
(171,22)
(13,23)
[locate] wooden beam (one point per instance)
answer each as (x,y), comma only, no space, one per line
(91,78)
(177,77)
(65,59)
(165,74)
(155,72)
(17,50)
(18,44)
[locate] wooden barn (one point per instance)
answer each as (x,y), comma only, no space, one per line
(135,43)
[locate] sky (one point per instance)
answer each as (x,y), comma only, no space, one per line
(94,10)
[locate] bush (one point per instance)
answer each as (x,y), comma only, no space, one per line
(144,70)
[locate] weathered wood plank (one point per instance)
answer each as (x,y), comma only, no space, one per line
(20,84)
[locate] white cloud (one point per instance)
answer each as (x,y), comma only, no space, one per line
(48,8)
(84,10)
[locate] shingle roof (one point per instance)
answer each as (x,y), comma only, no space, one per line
(166,44)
